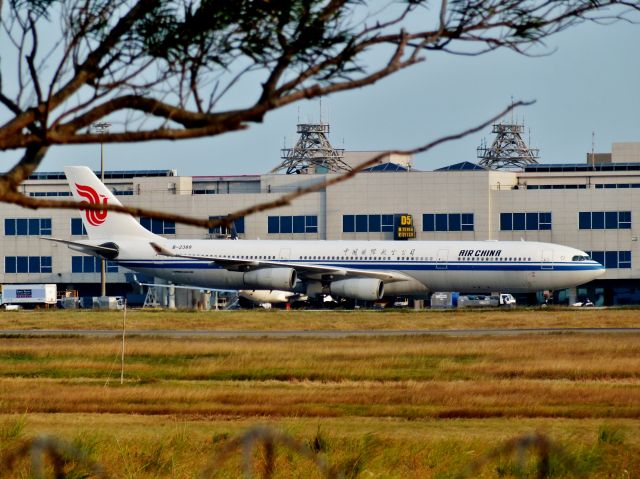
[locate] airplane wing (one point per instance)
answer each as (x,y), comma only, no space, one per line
(180,286)
(95,250)
(257,296)
(310,271)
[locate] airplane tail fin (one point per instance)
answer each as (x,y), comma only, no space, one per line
(102,224)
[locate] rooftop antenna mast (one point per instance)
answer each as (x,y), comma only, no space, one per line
(512,109)
(508,151)
(593,150)
(312,153)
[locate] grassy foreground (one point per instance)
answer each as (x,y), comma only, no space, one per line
(376,406)
(167,446)
(277,319)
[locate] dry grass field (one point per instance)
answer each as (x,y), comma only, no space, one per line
(408,406)
(322,320)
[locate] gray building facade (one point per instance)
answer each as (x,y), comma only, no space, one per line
(593,207)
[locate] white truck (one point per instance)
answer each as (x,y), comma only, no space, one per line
(505,300)
(29,294)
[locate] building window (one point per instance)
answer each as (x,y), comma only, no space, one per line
(27,264)
(612,259)
(601,220)
(286,224)
(27,226)
(77,227)
(91,264)
(447,222)
(617,185)
(544,221)
(624,259)
(375,223)
(159,227)
(273,224)
(292,224)
(556,187)
(525,221)
(386,223)
(238,224)
(50,193)
(367,223)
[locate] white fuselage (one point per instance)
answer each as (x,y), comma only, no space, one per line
(466,266)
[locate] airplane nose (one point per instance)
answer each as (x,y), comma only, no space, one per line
(599,270)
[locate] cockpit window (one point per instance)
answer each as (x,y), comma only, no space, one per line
(580,257)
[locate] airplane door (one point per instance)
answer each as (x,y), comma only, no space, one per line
(443,257)
(285,254)
(547,259)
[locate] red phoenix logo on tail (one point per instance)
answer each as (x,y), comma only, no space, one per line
(94,217)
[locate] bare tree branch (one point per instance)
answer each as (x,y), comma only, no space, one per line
(284,200)
(31,58)
(158,69)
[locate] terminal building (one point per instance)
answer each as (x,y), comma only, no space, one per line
(592,206)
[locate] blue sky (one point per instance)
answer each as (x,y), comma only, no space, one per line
(591,83)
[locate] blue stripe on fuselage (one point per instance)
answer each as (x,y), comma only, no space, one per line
(385,265)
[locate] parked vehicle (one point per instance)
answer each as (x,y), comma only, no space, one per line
(445,299)
(29,294)
(505,300)
(585,303)
(401,302)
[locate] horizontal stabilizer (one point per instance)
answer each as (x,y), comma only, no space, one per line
(96,250)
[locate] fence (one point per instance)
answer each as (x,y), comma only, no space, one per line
(52,456)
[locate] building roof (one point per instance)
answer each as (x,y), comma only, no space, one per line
(560,167)
(108,175)
(385,167)
(463,166)
(200,179)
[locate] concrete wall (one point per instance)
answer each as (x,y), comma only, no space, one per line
(484,193)
(625,152)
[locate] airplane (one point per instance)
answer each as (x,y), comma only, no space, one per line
(360,270)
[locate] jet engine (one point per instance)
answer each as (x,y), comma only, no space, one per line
(266,296)
(110,255)
(368,289)
(270,278)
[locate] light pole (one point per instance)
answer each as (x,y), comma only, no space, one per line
(102,127)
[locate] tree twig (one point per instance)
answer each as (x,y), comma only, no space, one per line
(29,202)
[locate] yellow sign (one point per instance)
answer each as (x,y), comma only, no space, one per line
(404,227)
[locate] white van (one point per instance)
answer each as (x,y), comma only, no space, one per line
(507,300)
